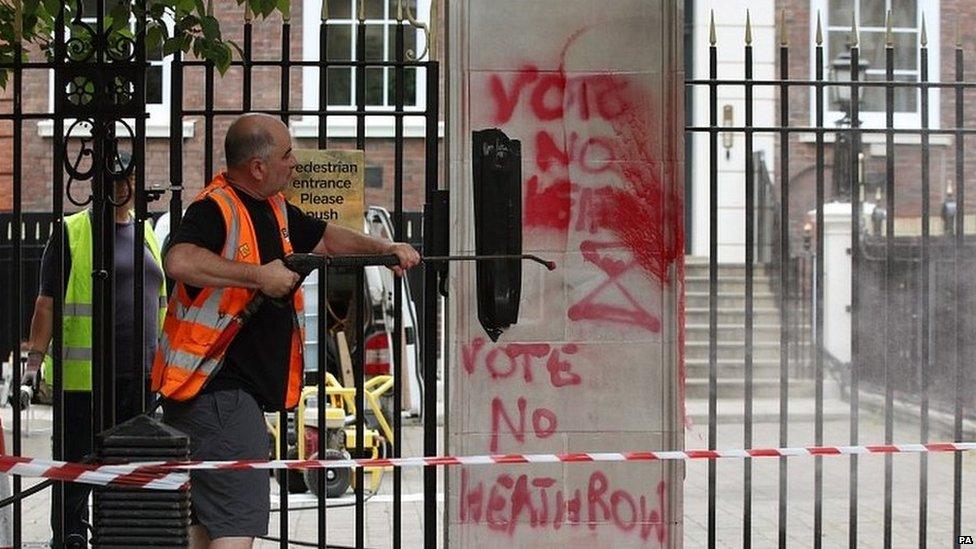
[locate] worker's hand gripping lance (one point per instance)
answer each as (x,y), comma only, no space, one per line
(304,264)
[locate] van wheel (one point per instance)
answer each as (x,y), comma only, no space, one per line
(336,480)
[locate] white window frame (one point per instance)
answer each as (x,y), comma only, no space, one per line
(158,123)
(876,119)
(344,126)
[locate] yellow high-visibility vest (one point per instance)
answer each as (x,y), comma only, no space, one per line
(77,320)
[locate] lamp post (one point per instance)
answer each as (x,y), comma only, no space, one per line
(879,214)
(949,211)
(840,95)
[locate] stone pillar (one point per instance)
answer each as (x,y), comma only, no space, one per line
(593,90)
(837,280)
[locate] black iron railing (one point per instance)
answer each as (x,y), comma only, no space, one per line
(933,368)
(892,350)
(764,221)
(100,88)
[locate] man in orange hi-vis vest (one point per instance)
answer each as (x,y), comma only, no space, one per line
(228,247)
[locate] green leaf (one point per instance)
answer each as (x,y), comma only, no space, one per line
(120,16)
(255,5)
(236,46)
(211,28)
(154,37)
(173,45)
(30,22)
(52,7)
(266,7)
(221,57)
(284,6)
(188,22)
(3,78)
(156,11)
(185,6)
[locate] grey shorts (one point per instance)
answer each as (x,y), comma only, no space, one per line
(225,425)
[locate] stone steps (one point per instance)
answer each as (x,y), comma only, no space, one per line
(732,369)
(766,410)
(732,350)
(731,388)
(698,267)
(734,284)
(733,332)
(732,315)
(762,299)
(730,335)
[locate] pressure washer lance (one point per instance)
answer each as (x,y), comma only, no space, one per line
(550,265)
(304,264)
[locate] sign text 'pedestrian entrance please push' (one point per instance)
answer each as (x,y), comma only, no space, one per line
(329,185)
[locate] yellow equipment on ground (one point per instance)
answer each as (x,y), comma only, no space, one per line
(340,433)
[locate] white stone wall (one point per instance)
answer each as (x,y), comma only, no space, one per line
(593,90)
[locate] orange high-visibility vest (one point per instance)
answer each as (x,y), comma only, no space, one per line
(185,358)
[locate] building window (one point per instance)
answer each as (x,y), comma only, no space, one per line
(906,23)
(157,78)
(157,83)
(374,177)
(381,24)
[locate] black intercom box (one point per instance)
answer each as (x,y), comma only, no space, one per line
(497,166)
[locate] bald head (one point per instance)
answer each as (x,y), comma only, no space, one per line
(250,136)
(259,154)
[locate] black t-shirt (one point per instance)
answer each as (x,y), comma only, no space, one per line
(257,359)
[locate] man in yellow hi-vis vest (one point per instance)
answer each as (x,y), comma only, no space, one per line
(77,332)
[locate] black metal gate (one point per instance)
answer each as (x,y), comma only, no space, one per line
(911,302)
(911,297)
(100,107)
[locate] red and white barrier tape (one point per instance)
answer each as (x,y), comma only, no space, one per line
(167,476)
(134,475)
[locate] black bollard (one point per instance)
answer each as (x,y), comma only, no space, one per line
(126,517)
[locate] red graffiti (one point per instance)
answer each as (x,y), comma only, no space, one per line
(547,97)
(505,102)
(642,218)
(596,177)
(553,96)
(593,155)
(552,207)
(510,501)
(549,207)
(505,361)
(470,351)
(590,207)
(635,313)
(544,422)
(656,243)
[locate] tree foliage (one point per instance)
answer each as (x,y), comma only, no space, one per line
(171,25)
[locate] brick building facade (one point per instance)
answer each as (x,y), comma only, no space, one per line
(266,44)
(954,23)
(6,156)
(943,18)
